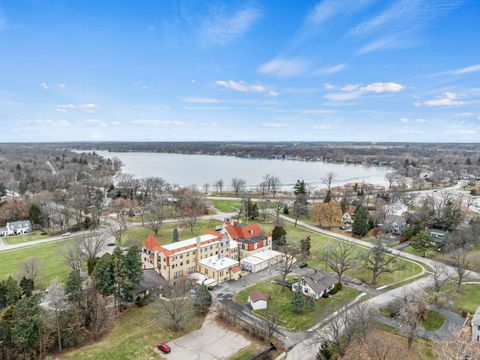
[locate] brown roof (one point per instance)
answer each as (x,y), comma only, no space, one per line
(240,231)
(256,296)
(152,243)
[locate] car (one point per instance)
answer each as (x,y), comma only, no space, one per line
(164,348)
(111,244)
(302,265)
(67,233)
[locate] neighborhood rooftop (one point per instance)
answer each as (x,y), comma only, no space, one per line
(217,263)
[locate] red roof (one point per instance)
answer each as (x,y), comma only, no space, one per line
(152,243)
(235,268)
(244,231)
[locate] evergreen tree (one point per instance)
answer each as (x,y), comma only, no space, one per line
(10,292)
(423,241)
(360,225)
(35,214)
(175,235)
(279,237)
(203,300)
(328,197)
(299,188)
(324,353)
(27,286)
(105,281)
(298,300)
(305,244)
(132,271)
(3,189)
(311,302)
(73,287)
(285,210)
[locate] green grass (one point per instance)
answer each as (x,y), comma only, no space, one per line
(320,241)
(138,234)
(133,336)
(434,321)
(53,264)
(227,206)
(245,354)
(36,235)
(291,320)
(465,300)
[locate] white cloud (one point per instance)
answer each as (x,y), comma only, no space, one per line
(404,120)
(420,120)
(93,122)
(200,100)
(353,91)
(222,30)
(329,9)
(61,85)
(446,99)
(284,67)
(44,85)
(243,87)
(462,71)
(329,70)
(89,108)
(156,123)
(321,127)
(274,124)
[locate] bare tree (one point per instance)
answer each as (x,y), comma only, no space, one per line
(391,178)
(178,305)
(277,206)
(238,185)
(340,257)
(457,345)
(263,206)
(270,319)
(439,276)
(300,206)
(338,333)
(378,261)
(328,179)
(156,211)
(92,245)
(192,205)
(206,186)
(275,184)
(412,311)
(57,301)
(74,256)
(460,261)
(219,185)
(30,268)
(288,262)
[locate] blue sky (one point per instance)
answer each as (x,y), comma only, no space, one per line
(331,70)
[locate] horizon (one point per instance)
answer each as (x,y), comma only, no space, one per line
(260,71)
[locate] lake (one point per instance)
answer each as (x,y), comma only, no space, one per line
(184,169)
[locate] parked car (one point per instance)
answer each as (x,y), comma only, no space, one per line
(111,244)
(164,348)
(302,265)
(68,233)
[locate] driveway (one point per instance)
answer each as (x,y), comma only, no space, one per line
(212,341)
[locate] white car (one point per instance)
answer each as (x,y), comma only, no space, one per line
(68,233)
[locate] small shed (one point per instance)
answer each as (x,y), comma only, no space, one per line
(257,300)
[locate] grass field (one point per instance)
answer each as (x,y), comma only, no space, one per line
(133,336)
(434,321)
(53,264)
(467,299)
(291,320)
(227,206)
(36,235)
(320,241)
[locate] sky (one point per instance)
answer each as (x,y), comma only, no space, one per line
(294,70)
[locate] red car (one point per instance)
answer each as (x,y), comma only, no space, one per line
(163,348)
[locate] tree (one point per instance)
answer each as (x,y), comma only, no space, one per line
(132,271)
(378,261)
(298,300)
(156,211)
(35,214)
(391,178)
(74,256)
(192,205)
(175,237)
(327,214)
(439,276)
(270,319)
(10,292)
(177,310)
(219,185)
(285,210)
(31,268)
(27,286)
(91,245)
(57,301)
(238,185)
(299,188)
(460,260)
(305,245)
(340,257)
(202,300)
(279,237)
(288,262)
(328,179)
(73,287)
(422,242)
(412,311)
(274,184)
(360,225)
(300,206)
(206,186)
(457,345)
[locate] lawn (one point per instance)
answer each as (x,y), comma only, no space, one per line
(36,235)
(53,264)
(465,300)
(133,336)
(434,321)
(227,206)
(320,241)
(138,234)
(291,320)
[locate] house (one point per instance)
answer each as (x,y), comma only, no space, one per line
(257,300)
(394,224)
(250,237)
(16,228)
(151,281)
(316,284)
(260,260)
(476,326)
(439,236)
(397,209)
(178,259)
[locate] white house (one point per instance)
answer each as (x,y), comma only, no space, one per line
(476,326)
(260,260)
(394,224)
(316,284)
(16,228)
(397,209)
(257,300)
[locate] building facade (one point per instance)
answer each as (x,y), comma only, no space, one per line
(476,327)
(16,228)
(250,237)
